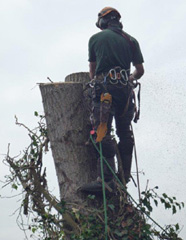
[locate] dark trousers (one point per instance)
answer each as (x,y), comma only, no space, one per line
(122,109)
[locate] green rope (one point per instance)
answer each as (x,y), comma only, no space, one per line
(123,187)
(103,187)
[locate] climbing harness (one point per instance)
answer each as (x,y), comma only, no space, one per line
(114,76)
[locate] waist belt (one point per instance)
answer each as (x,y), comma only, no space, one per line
(114,76)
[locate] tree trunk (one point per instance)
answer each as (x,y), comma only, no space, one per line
(66,107)
(67,118)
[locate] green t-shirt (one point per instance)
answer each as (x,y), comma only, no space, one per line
(109,49)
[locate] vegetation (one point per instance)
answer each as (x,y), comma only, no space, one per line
(52,219)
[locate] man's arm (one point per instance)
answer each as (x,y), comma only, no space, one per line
(138,72)
(92,68)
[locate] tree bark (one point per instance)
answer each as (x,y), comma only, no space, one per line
(67,118)
(66,107)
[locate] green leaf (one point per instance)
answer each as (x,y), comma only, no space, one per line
(36,114)
(118,233)
(143,209)
(125,232)
(111,206)
(178,204)
(164,195)
(150,208)
(129,222)
(35,143)
(91,196)
(62,203)
(173,209)
(14,186)
(156,202)
(171,200)
(177,227)
(167,205)
(34,229)
(125,238)
(32,151)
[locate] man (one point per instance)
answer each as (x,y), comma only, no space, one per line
(111,53)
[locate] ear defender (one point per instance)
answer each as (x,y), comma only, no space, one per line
(102,23)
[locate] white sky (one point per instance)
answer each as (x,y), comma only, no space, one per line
(49,38)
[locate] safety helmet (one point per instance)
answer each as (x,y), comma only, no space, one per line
(103,19)
(106,11)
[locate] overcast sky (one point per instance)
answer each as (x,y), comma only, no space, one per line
(49,38)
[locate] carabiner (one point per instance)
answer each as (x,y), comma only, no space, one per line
(112,74)
(124,76)
(92,83)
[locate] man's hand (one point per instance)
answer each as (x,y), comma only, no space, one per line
(138,72)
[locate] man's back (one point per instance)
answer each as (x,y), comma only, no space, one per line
(110,49)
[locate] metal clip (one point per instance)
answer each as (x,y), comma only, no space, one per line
(92,83)
(124,76)
(113,76)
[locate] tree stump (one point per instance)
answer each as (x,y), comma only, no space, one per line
(66,107)
(67,119)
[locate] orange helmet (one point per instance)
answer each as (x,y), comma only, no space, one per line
(106,11)
(102,21)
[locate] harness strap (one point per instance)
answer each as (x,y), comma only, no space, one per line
(124,35)
(137,112)
(137,109)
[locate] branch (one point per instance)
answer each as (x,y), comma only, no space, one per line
(51,199)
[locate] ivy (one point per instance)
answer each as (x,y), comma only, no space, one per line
(51,219)
(151,195)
